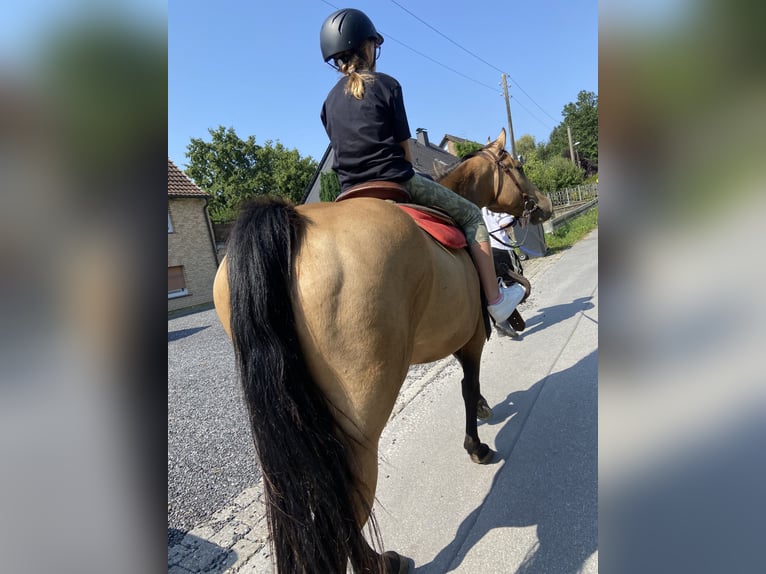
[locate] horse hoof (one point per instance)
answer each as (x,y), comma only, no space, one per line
(396,563)
(486,458)
(483,412)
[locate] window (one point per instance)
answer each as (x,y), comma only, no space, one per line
(176,282)
(170,224)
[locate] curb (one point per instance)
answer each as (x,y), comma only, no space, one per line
(550,225)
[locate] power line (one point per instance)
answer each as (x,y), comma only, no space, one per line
(467,51)
(531,114)
(454,71)
(533,101)
(446,37)
(387,35)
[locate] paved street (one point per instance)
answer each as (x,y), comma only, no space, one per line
(534,509)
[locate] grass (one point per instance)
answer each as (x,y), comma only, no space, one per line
(572,231)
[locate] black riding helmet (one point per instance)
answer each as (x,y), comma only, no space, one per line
(346,30)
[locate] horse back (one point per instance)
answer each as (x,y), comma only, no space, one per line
(374,294)
(366,262)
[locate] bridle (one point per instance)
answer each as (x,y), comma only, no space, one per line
(506,240)
(529,203)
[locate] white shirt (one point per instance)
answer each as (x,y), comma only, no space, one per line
(495,223)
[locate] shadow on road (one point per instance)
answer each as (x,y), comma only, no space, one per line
(550,315)
(181,333)
(198,555)
(549,477)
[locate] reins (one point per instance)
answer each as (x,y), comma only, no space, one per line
(517,243)
(529,204)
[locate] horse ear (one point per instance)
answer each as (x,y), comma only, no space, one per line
(499,143)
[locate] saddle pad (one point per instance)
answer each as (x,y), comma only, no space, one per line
(447,235)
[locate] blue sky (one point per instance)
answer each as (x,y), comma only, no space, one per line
(256,66)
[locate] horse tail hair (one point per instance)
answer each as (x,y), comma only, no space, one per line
(312,496)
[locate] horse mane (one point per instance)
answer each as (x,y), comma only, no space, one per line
(441,171)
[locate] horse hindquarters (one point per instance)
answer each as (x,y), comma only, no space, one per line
(312,497)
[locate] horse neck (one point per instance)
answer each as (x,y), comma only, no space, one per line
(474,184)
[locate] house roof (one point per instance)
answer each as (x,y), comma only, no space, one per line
(323,165)
(451,138)
(425,158)
(179,185)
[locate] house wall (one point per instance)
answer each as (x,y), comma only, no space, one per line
(449,147)
(190,245)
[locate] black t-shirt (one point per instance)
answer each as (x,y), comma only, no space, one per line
(365,134)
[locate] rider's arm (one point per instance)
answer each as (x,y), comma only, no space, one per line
(406,147)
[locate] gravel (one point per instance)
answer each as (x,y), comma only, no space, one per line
(211,458)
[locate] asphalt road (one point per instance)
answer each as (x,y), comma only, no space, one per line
(534,509)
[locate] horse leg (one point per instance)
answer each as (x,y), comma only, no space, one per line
(392,562)
(483,410)
(470,360)
(367,469)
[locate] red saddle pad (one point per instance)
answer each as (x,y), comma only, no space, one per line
(447,235)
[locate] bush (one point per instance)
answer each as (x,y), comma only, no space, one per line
(555,173)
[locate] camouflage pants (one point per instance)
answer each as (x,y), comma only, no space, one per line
(427,192)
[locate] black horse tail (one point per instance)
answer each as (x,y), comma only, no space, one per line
(309,481)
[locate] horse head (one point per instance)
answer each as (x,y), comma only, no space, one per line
(510,190)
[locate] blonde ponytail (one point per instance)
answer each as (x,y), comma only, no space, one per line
(355,84)
(357,72)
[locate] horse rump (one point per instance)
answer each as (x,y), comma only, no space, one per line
(311,491)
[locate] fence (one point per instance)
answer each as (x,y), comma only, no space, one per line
(573,196)
(568,203)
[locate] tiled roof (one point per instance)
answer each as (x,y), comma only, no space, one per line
(449,137)
(179,185)
(426,158)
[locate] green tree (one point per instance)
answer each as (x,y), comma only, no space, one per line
(466,147)
(547,173)
(563,173)
(329,186)
(558,142)
(582,118)
(526,146)
(233,170)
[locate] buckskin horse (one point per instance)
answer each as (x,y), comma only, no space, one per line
(327,306)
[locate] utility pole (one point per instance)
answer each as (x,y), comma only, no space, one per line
(508,110)
(571,147)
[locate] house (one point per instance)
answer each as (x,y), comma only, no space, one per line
(192,258)
(448,143)
(426,158)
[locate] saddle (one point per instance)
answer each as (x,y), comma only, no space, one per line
(433,221)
